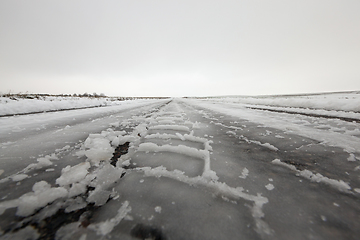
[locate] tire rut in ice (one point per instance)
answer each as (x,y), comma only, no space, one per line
(169,142)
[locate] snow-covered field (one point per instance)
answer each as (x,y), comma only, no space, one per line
(13,105)
(211,168)
(342,104)
(319,117)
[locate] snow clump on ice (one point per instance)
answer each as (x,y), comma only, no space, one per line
(73,174)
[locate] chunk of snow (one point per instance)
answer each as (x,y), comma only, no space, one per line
(44,162)
(158,209)
(269,187)
(73,174)
(351,158)
(99,148)
(244,173)
(19,177)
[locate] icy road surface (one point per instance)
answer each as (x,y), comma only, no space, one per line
(180,169)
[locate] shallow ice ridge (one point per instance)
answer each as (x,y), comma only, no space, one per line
(185,150)
(267,145)
(218,188)
(107,226)
(170,127)
(337,184)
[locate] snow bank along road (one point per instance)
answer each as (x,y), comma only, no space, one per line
(179,169)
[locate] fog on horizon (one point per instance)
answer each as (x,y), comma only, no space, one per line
(179,48)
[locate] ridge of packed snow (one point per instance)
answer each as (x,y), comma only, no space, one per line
(337,184)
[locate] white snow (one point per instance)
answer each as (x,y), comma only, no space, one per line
(244,173)
(19,177)
(9,106)
(99,148)
(269,186)
(347,101)
(345,136)
(70,175)
(158,209)
(351,158)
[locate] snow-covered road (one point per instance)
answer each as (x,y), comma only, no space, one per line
(184,169)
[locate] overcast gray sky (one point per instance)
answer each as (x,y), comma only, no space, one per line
(179,48)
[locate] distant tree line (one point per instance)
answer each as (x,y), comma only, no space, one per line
(15,96)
